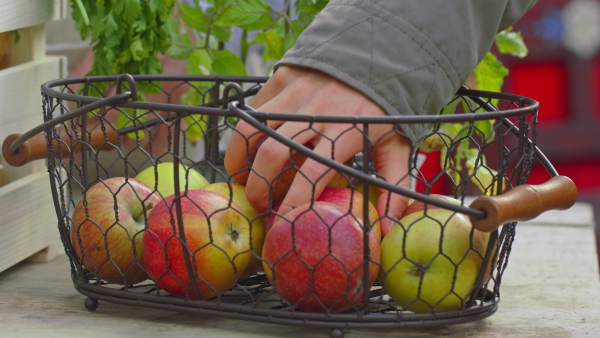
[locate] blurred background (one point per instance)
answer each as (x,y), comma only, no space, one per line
(562,72)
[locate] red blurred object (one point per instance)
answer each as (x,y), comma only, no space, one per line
(547,83)
(585,174)
(596,87)
(429,170)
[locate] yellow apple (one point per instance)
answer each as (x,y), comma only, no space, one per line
(161,177)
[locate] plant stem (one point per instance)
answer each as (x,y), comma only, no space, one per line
(244,46)
(86,19)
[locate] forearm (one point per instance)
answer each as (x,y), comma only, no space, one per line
(408,56)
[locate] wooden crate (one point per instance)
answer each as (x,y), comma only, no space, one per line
(29,225)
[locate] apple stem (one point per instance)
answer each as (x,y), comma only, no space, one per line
(234,233)
(146,208)
(419,269)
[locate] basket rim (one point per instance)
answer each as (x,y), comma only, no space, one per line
(526,105)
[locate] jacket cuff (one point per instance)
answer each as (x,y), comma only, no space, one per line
(392,52)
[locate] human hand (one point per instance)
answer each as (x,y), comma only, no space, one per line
(295,90)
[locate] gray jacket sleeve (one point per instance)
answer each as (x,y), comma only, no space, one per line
(409,56)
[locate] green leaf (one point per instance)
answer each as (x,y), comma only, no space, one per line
(199,62)
(510,42)
(490,73)
(227,63)
(126,119)
(243,13)
(195,128)
(129,9)
(137,50)
(486,129)
(262,23)
(179,49)
(194,18)
(273,45)
(110,25)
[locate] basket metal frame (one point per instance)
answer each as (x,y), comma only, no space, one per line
(483,303)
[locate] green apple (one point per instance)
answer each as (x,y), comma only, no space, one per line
(161,178)
(430,260)
(237,193)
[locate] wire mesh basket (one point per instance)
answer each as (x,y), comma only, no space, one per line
(163,244)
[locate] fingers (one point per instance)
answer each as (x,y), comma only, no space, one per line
(274,96)
(274,167)
(298,91)
(238,156)
(392,157)
(314,176)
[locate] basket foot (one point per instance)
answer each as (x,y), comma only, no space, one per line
(336,333)
(91,304)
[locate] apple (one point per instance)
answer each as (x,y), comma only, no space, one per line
(352,201)
(373,191)
(108,226)
(237,193)
(314,258)
(217,237)
(161,177)
(417,205)
(422,275)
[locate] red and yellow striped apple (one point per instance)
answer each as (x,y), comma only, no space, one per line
(217,240)
(108,227)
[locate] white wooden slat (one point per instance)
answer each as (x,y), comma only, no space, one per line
(17,14)
(20,94)
(29,222)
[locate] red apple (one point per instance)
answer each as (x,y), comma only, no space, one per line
(108,227)
(352,201)
(237,193)
(217,237)
(316,261)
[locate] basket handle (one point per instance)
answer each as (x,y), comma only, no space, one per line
(36,147)
(524,202)
(20,149)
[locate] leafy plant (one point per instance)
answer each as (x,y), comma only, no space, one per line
(129,35)
(489,76)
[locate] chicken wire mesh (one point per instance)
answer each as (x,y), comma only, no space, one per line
(195,250)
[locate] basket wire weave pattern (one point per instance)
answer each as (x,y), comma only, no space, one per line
(157,130)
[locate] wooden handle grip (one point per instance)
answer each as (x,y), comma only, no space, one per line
(524,202)
(36,147)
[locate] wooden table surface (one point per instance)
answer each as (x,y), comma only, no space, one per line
(551,288)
